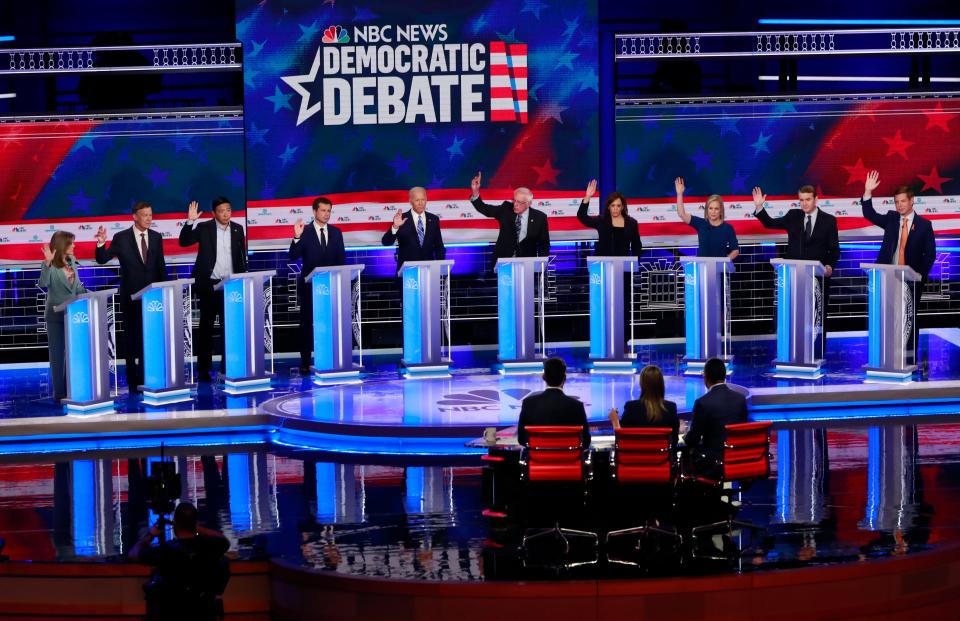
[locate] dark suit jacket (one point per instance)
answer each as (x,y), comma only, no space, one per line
(134,273)
(535,244)
(308,249)
(721,406)
(552,407)
(408,244)
(635,415)
(604,226)
(824,243)
(205,234)
(921,248)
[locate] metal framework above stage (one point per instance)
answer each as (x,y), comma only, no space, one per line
(156,59)
(792,43)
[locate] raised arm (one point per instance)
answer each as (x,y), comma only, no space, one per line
(188,234)
(679,185)
(390,237)
(103,252)
(588,221)
(759,200)
(871,184)
(45,265)
(490,211)
(296,246)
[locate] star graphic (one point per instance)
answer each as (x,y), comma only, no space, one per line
(296,83)
(255,136)
(858,172)
(939,118)
(897,145)
(455,148)
(158,176)
(248,74)
(728,126)
(552,111)
(479,23)
(80,203)
(367,144)
(546,173)
(572,26)
(287,154)
(630,154)
(532,91)
(83,142)
(738,183)
(308,32)
(235,178)
(280,100)
(589,81)
(533,7)
(510,37)
(933,181)
(424,133)
(784,107)
(701,159)
(400,165)
(566,60)
(650,172)
(761,144)
(182,143)
(257,47)
(361,14)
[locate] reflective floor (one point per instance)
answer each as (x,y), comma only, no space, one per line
(837,495)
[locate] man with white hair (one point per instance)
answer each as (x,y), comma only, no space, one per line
(416,232)
(523,231)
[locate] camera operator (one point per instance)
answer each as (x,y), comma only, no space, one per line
(190,572)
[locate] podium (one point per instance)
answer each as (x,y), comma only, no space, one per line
(706,289)
(891,333)
(606,313)
(800,318)
(516,308)
(86,333)
(244,332)
(164,334)
(422,309)
(332,293)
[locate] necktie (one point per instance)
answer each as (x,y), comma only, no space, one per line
(323,239)
(143,247)
(807,229)
(904,231)
(516,227)
(420,229)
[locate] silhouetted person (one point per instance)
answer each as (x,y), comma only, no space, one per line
(552,407)
(712,412)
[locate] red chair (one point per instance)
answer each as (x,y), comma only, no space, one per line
(555,455)
(746,458)
(643,456)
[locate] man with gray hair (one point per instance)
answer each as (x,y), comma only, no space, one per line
(416,232)
(523,231)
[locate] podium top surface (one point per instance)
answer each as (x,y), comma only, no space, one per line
(537,262)
(163,284)
(90,295)
(245,276)
(407,264)
(800,262)
(624,260)
(330,269)
(706,260)
(908,272)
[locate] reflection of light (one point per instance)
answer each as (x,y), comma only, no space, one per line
(414,489)
(84,510)
(238,470)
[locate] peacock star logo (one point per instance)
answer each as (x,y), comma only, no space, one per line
(335,34)
(235,297)
(81,317)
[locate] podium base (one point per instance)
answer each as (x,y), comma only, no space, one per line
(612,366)
(889,375)
(88,408)
(435,369)
(333,377)
(167,396)
(519,367)
(798,370)
(246,385)
(694,366)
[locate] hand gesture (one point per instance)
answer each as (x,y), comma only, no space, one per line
(475,184)
(101,236)
(193,211)
(872,183)
(827,271)
(678,184)
(591,190)
(613,415)
(298,227)
(398,219)
(759,198)
(47,253)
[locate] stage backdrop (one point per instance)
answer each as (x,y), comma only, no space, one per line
(362,101)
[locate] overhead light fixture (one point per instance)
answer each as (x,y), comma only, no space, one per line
(857,22)
(850,78)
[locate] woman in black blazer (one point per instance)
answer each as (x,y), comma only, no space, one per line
(651,409)
(618,235)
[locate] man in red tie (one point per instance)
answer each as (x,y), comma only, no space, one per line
(139,250)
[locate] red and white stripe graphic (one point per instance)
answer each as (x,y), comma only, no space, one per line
(518,78)
(508,82)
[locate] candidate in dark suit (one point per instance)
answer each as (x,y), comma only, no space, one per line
(552,407)
(222,252)
(651,409)
(712,412)
(812,235)
(317,244)
(618,235)
(416,232)
(523,231)
(139,250)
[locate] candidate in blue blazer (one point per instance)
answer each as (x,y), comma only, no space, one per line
(318,244)
(416,232)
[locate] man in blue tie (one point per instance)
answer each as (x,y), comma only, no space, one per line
(319,245)
(523,231)
(416,232)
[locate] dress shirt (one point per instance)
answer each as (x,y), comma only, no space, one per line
(896,251)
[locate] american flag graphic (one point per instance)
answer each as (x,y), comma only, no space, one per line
(508,81)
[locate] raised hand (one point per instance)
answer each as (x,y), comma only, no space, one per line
(101,236)
(398,219)
(678,184)
(475,184)
(193,211)
(298,227)
(47,253)
(872,183)
(591,190)
(759,198)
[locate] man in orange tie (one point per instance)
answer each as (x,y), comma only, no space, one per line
(908,238)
